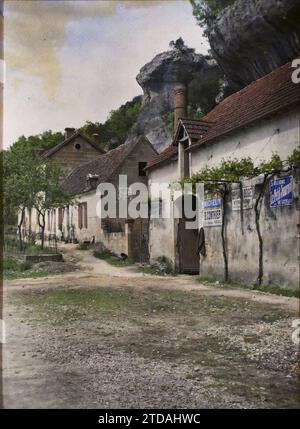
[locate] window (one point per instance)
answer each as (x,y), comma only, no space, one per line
(82,216)
(142,166)
(85,218)
(77,146)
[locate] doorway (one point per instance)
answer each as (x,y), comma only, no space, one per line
(187,243)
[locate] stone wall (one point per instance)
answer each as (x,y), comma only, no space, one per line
(68,157)
(161,231)
(280,232)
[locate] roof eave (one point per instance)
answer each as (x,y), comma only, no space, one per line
(246,124)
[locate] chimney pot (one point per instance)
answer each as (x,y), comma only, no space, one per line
(69,132)
(180,104)
(96,137)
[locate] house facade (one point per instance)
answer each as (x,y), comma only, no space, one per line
(258,121)
(82,222)
(75,149)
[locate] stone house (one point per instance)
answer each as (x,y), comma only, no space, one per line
(75,149)
(261,119)
(81,222)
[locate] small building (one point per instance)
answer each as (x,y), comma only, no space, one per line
(82,223)
(256,122)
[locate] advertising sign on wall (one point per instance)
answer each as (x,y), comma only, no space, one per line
(247,198)
(212,210)
(281,192)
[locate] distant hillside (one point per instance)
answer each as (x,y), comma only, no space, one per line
(116,129)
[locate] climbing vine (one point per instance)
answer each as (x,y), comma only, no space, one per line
(220,178)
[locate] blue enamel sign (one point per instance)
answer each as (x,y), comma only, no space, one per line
(281,192)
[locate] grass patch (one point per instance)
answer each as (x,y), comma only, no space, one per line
(275,290)
(62,304)
(83,246)
(16,269)
(112,259)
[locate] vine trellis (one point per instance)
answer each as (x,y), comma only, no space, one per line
(220,178)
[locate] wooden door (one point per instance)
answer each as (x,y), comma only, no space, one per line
(189,260)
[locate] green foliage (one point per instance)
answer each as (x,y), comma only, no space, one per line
(117,126)
(229,171)
(273,289)
(40,142)
(202,93)
(15,269)
(271,167)
(83,246)
(234,171)
(294,158)
(206,11)
(31,184)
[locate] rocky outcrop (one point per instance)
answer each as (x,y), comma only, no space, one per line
(253,37)
(158,79)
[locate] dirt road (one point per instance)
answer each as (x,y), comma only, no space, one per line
(110,337)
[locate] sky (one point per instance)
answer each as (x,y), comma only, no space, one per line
(72,61)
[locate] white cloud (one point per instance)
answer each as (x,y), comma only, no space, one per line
(95,65)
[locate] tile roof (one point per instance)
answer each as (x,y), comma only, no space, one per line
(166,155)
(103,166)
(267,95)
(56,148)
(194,127)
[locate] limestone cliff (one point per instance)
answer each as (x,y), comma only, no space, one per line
(158,79)
(253,37)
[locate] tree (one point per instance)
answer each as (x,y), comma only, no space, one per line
(48,193)
(39,142)
(203,91)
(118,124)
(206,11)
(267,170)
(19,169)
(30,184)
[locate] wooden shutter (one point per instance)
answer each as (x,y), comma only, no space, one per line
(85,215)
(80,216)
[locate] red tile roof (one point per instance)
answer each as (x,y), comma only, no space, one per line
(268,95)
(195,128)
(263,97)
(167,155)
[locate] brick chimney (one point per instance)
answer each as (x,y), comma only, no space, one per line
(180,104)
(96,138)
(69,132)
